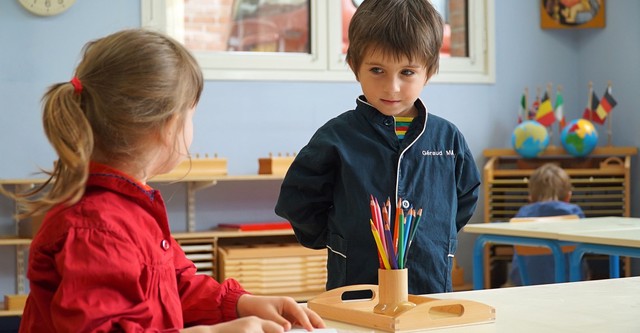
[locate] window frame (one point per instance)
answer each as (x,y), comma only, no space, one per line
(326,62)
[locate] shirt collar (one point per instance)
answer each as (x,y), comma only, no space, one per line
(95,168)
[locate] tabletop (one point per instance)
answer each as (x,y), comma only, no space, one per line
(569,230)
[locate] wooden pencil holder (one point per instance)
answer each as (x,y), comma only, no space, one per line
(393,292)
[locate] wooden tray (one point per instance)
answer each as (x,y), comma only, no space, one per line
(429,313)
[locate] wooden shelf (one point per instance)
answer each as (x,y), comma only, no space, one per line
(163,179)
(231,234)
(555,151)
(14,241)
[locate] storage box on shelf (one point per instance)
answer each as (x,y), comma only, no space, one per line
(600,181)
(268,262)
(275,269)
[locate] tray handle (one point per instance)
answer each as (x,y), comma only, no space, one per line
(334,296)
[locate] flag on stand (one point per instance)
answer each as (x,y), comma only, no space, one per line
(606,104)
(534,109)
(589,111)
(545,115)
(560,110)
(523,108)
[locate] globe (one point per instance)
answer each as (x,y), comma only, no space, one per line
(530,139)
(579,137)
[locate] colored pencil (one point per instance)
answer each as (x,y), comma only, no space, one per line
(407,227)
(383,238)
(414,229)
(381,250)
(401,241)
(393,262)
(395,225)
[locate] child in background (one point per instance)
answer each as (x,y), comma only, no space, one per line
(549,194)
(104,259)
(390,146)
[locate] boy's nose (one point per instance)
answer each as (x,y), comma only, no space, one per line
(392,85)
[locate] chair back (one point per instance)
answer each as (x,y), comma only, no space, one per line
(524,250)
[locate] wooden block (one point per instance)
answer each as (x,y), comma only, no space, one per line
(275,165)
(196,167)
(15,302)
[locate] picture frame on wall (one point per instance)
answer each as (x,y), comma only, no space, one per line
(572,14)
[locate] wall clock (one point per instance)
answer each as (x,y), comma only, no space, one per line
(46,7)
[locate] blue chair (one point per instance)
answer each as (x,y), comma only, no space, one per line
(522,251)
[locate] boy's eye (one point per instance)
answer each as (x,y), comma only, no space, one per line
(408,72)
(376,70)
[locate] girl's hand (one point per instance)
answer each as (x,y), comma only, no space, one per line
(251,324)
(281,310)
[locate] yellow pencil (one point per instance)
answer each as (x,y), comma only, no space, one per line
(381,251)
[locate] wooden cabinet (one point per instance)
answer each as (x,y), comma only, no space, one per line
(601,187)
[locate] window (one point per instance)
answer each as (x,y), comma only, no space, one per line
(305,40)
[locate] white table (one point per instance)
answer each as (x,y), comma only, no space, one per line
(610,305)
(614,236)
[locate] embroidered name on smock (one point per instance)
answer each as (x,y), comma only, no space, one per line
(437,153)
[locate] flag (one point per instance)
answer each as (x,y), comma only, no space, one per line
(606,104)
(560,109)
(545,115)
(589,111)
(533,110)
(523,108)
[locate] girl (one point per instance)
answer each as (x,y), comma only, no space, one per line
(104,259)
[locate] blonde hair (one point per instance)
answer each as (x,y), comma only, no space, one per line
(409,28)
(133,82)
(549,182)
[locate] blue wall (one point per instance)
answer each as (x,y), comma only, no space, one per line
(243,121)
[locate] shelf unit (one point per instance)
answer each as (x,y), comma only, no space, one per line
(600,181)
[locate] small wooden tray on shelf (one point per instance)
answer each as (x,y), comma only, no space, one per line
(429,313)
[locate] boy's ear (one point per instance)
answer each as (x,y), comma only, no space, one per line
(568,197)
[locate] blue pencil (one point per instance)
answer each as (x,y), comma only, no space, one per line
(407,229)
(414,229)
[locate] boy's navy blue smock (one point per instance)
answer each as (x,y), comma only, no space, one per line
(326,193)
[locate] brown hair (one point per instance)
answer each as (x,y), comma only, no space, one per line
(549,182)
(409,28)
(133,83)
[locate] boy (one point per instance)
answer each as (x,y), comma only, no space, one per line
(549,194)
(388,147)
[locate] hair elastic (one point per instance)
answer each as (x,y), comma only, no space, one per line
(77,85)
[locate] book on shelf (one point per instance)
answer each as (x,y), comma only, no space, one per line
(279,225)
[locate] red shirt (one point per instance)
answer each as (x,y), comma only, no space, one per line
(108,263)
